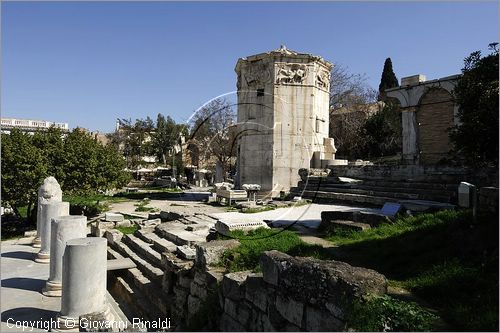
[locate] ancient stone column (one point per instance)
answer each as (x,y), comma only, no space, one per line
(83,281)
(50,191)
(63,228)
(48,211)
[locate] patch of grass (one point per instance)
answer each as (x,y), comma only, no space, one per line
(92,198)
(155,195)
(162,189)
(263,208)
(256,209)
(401,226)
(254,243)
(444,258)
(128,230)
(465,292)
(142,206)
(387,314)
(88,205)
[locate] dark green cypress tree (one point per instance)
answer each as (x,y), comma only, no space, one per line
(388,80)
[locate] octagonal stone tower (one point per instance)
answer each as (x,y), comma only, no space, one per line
(283,117)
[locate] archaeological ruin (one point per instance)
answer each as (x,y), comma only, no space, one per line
(163,269)
(283,117)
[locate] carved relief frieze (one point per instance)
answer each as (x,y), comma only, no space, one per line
(290,73)
(257,75)
(323,79)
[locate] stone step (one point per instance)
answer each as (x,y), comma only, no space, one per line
(112,254)
(118,264)
(383,192)
(202,220)
(408,183)
(347,225)
(443,189)
(357,199)
(416,190)
(134,302)
(206,217)
(143,249)
(179,235)
(147,292)
(149,270)
(158,244)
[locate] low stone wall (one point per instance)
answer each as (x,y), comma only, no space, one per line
(419,173)
(291,293)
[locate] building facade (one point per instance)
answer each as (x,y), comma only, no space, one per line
(29,125)
(428,112)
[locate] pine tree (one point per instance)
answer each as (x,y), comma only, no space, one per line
(388,80)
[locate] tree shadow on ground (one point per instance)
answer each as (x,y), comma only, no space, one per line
(173,196)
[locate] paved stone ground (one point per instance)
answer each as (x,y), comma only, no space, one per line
(22,282)
(189,203)
(308,216)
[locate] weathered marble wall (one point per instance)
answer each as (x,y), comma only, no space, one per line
(283,116)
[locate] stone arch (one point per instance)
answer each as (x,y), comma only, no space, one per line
(434,116)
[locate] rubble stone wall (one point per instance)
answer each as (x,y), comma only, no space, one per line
(290,294)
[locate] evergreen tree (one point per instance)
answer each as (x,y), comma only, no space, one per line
(388,80)
(476,137)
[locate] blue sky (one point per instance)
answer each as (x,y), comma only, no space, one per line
(90,63)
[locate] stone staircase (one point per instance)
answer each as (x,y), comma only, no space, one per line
(142,291)
(375,192)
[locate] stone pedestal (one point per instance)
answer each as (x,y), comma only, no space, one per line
(63,228)
(48,211)
(83,281)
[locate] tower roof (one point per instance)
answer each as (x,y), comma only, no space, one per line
(284,54)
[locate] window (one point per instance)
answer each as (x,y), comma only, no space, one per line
(260,92)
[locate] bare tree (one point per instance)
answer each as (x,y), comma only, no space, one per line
(213,134)
(351,103)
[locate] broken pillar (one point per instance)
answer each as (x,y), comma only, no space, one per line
(83,281)
(63,228)
(48,211)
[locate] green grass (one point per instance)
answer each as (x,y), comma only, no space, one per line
(443,258)
(156,194)
(262,208)
(246,255)
(91,204)
(93,198)
(387,314)
(162,189)
(128,230)
(142,206)
(257,209)
(370,314)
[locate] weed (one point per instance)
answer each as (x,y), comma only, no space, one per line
(128,230)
